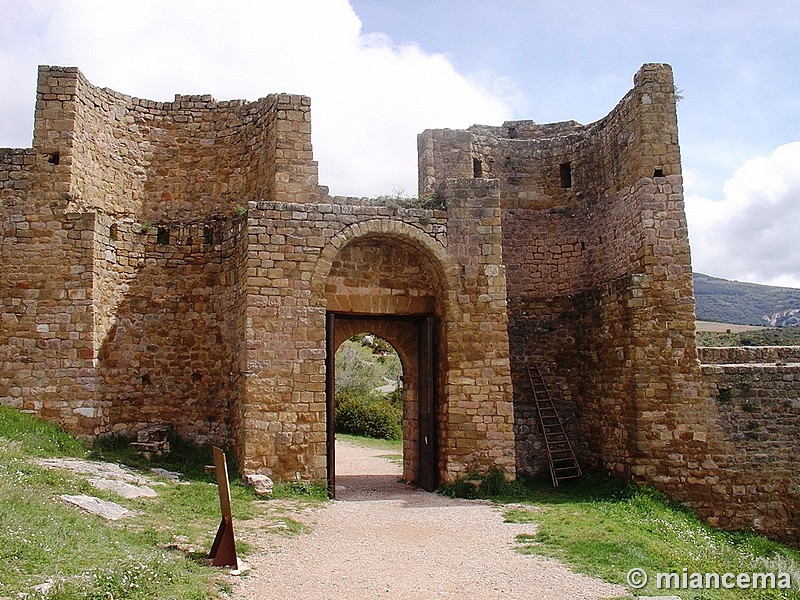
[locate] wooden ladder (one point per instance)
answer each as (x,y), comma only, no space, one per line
(563,464)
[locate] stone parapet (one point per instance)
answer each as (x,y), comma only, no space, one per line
(757,407)
(749,354)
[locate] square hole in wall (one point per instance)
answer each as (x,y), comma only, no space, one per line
(477,168)
(162,236)
(565,172)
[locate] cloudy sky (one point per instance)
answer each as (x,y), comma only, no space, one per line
(381,71)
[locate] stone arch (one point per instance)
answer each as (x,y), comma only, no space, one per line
(444,267)
(404,338)
(399,318)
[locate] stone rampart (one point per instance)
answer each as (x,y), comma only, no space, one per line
(177,262)
(598,270)
(755,393)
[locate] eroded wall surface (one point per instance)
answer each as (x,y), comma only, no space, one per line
(755,393)
(175,262)
(598,273)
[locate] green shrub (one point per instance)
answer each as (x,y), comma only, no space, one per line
(460,489)
(371,416)
(494,483)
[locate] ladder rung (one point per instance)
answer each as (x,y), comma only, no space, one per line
(563,464)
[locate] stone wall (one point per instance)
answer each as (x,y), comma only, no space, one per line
(169,301)
(756,394)
(46,320)
(180,160)
(599,276)
(125,248)
(176,262)
(307,259)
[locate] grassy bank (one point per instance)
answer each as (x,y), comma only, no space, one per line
(784,336)
(160,552)
(605,528)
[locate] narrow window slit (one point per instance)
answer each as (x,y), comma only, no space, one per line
(565,171)
(477,168)
(162,236)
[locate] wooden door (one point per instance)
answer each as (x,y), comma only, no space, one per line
(427,477)
(330,400)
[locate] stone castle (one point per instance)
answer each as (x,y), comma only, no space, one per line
(178,263)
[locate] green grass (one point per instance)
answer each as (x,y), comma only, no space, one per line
(390,446)
(33,437)
(604,528)
(785,336)
(160,552)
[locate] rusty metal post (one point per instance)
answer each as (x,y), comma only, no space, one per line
(223,550)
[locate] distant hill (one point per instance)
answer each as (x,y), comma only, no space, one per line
(727,301)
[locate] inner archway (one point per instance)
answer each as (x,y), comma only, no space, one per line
(390,285)
(412,336)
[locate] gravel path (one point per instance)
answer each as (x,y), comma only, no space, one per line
(383,539)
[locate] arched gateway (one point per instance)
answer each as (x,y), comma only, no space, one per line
(389,278)
(420,283)
(177,262)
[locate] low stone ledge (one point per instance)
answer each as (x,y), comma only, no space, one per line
(748,354)
(95,506)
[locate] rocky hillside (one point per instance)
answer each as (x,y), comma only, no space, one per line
(727,301)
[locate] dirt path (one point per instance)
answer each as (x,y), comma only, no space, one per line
(382,539)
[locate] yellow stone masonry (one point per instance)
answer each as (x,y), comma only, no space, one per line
(178,263)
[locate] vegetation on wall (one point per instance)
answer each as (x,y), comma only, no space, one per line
(397,199)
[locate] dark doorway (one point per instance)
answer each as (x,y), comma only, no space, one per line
(423,387)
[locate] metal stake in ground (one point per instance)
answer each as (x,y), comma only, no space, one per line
(223,550)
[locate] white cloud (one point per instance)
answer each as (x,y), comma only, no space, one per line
(370,97)
(752,234)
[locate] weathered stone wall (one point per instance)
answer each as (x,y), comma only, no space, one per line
(477,406)
(46,354)
(306,259)
(124,239)
(180,160)
(46,350)
(170,352)
(599,276)
(755,394)
(175,261)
